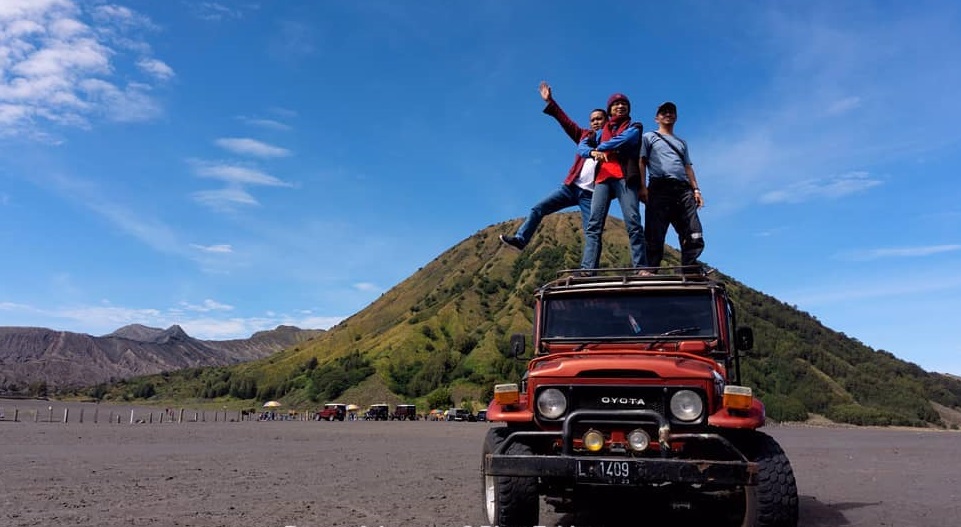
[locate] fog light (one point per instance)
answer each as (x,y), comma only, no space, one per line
(638,440)
(593,440)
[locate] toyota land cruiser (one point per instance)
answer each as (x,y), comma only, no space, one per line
(634,388)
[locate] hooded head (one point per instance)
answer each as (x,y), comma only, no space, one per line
(617,97)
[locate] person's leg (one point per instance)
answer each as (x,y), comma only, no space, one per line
(584,198)
(688,226)
(600,203)
(630,209)
(560,199)
(657,217)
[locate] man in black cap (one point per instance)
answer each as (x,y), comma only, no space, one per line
(672,195)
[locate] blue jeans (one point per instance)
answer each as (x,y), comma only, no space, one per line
(562,198)
(626,194)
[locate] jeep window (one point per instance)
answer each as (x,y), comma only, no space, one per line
(634,316)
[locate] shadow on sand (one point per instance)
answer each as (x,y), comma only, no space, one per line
(812,513)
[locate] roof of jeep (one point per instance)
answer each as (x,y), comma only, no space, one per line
(628,279)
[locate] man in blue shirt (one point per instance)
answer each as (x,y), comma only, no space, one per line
(671,195)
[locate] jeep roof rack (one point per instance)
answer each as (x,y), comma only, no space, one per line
(678,273)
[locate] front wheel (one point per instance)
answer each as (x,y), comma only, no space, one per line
(509,501)
(774,501)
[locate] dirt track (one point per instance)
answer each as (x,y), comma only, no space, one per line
(356,474)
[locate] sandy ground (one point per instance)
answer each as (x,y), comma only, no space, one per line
(294,473)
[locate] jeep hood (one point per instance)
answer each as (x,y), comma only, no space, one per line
(621,365)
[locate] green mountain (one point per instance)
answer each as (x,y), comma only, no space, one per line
(440,337)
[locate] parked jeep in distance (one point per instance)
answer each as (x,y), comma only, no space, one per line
(332,412)
(377,412)
(634,393)
(404,411)
(459,414)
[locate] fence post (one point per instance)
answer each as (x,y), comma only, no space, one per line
(131,416)
(50,414)
(81,415)
(65,414)
(16,414)
(95,412)
(181,416)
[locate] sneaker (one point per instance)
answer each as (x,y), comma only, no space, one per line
(513,241)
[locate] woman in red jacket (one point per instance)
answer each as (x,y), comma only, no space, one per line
(618,176)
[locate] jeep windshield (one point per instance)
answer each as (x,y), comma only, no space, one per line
(633,316)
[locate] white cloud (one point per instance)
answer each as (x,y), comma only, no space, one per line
(224,199)
(266,123)
(106,318)
(252,147)
(844,105)
(157,68)
(286,113)
(833,188)
(151,231)
(131,104)
(213,11)
(838,293)
(218,249)
(366,287)
(236,174)
(207,305)
(58,69)
(900,252)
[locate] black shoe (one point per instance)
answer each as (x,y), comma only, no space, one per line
(513,241)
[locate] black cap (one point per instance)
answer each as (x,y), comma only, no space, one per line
(667,107)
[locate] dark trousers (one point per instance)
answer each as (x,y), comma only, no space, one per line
(671,203)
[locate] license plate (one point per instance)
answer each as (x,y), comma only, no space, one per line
(607,471)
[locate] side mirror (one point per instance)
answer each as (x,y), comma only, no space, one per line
(744,339)
(518,344)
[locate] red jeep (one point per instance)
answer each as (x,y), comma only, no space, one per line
(332,411)
(634,393)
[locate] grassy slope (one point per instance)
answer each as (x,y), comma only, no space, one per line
(448,324)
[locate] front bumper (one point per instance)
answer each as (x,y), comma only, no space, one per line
(641,470)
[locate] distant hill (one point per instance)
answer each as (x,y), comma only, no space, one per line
(39,359)
(440,337)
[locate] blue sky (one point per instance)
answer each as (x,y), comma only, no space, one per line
(232,166)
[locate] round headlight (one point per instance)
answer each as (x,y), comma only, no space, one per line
(551,403)
(686,405)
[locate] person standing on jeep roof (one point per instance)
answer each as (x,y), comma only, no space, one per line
(578,187)
(672,196)
(618,175)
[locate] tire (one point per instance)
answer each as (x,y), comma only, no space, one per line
(508,501)
(774,500)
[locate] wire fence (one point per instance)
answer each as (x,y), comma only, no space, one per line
(98,414)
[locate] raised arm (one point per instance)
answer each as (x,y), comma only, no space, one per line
(572,129)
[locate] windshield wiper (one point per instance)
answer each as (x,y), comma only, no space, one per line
(676,331)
